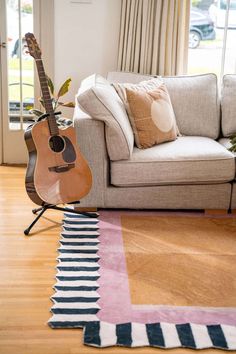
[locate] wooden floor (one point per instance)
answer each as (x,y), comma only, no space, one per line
(182,261)
(27,266)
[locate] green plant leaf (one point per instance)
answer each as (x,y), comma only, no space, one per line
(29,107)
(68,104)
(233,141)
(64,88)
(36,112)
(50,84)
(232,148)
(41,101)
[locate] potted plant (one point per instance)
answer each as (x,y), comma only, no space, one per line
(56,102)
(233,143)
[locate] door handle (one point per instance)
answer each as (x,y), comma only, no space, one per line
(3,44)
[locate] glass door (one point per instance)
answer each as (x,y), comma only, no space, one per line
(17,77)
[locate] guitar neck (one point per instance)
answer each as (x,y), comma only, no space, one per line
(46,98)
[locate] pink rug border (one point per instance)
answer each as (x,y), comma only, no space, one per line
(114,285)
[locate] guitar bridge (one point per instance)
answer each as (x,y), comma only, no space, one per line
(61,168)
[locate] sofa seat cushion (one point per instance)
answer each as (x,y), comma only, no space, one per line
(187,160)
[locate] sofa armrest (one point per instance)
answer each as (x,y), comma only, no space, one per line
(91,140)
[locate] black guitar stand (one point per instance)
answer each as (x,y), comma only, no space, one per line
(46,206)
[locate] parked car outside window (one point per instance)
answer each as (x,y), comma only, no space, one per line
(201,28)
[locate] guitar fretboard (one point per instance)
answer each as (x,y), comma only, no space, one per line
(47,98)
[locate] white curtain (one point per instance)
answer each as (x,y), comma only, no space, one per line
(154,36)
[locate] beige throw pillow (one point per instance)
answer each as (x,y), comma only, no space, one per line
(146,130)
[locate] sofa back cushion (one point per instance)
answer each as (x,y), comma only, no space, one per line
(125,77)
(194,100)
(100,100)
(195,103)
(228,105)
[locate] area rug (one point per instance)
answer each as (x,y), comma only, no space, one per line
(148,279)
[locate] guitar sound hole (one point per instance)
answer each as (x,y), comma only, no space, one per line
(57,143)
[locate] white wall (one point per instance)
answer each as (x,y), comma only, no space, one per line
(86,41)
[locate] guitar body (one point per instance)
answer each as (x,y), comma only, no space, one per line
(57,172)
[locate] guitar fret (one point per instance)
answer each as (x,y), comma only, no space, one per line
(47,98)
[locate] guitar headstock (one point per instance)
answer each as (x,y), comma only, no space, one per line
(33,46)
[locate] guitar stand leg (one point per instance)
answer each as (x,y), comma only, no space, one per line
(72,211)
(43,209)
(35,211)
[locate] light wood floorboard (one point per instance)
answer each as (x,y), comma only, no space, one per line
(27,266)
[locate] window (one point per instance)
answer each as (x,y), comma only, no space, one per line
(232,5)
(212,37)
(20,64)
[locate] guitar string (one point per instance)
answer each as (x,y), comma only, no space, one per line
(41,73)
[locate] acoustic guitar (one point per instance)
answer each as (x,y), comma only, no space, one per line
(57,173)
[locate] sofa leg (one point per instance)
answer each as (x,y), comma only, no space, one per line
(216,211)
(85,209)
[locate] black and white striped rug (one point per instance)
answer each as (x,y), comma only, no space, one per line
(75,300)
(77,295)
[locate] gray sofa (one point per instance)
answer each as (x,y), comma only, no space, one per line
(194,172)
